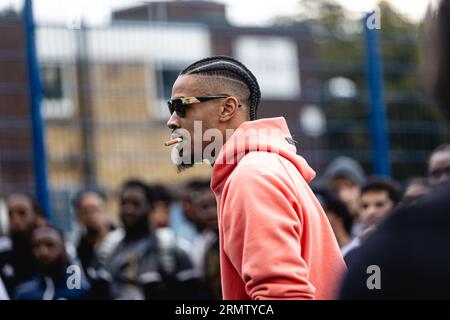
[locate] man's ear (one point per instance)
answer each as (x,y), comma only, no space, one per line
(228,109)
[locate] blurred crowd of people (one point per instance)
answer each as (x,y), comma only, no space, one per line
(356,205)
(166,245)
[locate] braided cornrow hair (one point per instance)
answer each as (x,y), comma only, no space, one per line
(229,68)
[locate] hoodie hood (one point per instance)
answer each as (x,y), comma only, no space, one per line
(265,135)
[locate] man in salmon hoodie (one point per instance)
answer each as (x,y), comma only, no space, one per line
(275,239)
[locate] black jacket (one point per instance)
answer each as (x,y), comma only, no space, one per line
(17,265)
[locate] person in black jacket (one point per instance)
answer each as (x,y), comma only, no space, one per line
(407,257)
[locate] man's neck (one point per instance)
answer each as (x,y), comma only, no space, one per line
(22,245)
(225,132)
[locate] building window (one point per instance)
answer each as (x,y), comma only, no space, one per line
(56,104)
(274,61)
(165,76)
(52,82)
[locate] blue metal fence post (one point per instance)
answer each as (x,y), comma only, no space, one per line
(35,93)
(378,119)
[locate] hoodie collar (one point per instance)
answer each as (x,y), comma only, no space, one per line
(269,135)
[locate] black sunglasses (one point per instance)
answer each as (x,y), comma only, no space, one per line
(179,105)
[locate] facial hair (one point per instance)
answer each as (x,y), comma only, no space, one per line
(182,166)
(139,229)
(54,270)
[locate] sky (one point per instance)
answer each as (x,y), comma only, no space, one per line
(240,12)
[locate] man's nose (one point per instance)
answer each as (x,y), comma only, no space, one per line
(128,209)
(371,211)
(41,251)
(174,121)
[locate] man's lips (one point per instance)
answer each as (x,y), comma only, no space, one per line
(175,136)
(182,139)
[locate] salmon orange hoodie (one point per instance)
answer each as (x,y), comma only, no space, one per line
(275,239)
